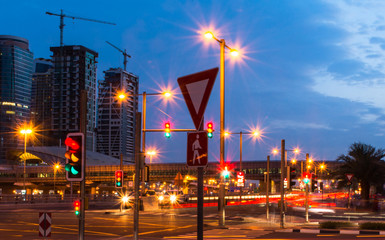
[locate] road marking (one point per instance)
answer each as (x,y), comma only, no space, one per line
(162,230)
(327,235)
(370,236)
(210,236)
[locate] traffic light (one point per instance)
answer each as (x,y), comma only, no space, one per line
(314,184)
(210,129)
(306,177)
(119,178)
(167,131)
(226,172)
(74,157)
(293,175)
(77,207)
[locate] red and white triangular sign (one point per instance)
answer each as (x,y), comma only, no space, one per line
(196,89)
(349,176)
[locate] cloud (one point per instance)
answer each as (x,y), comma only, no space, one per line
(359,74)
(291,124)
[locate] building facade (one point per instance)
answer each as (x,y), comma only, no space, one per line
(74,71)
(16,66)
(115,131)
(41,100)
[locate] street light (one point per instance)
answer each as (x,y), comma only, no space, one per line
(26,132)
(151,154)
(56,168)
(222,45)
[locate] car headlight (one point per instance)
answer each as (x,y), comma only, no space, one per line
(161,198)
(173,198)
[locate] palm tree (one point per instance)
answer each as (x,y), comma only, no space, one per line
(367,165)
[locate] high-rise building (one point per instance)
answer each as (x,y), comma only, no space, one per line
(41,100)
(74,71)
(115,131)
(16,64)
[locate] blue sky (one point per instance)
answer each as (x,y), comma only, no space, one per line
(311,72)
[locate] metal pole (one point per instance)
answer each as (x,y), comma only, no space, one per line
(138,117)
(307,195)
(221,199)
(282,209)
(54,179)
(307,203)
(200,205)
(200,197)
(240,162)
(267,187)
(25,159)
(83,124)
(144,122)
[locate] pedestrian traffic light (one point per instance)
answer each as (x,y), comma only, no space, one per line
(210,129)
(119,178)
(74,157)
(167,131)
(77,207)
(226,172)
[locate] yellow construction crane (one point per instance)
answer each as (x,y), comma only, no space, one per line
(62,16)
(125,55)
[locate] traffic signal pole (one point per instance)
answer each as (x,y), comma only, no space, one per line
(83,121)
(267,187)
(138,159)
(282,209)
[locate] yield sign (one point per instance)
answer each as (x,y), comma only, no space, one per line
(196,89)
(349,176)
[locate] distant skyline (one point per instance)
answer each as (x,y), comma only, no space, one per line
(311,72)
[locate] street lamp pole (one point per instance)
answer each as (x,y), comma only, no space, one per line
(25,158)
(282,209)
(222,213)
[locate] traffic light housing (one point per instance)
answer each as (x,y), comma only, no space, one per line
(74,157)
(306,178)
(119,178)
(167,130)
(210,129)
(293,175)
(314,184)
(226,172)
(77,207)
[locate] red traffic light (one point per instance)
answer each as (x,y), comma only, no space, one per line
(72,144)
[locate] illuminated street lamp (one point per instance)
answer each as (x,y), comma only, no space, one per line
(222,45)
(26,132)
(151,154)
(56,168)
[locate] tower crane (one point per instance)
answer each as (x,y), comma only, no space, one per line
(125,55)
(62,16)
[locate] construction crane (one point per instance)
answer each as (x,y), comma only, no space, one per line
(62,16)
(125,55)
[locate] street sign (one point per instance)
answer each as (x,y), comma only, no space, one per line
(197,149)
(44,224)
(196,89)
(349,176)
(240,179)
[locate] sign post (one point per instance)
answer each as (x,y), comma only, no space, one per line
(196,89)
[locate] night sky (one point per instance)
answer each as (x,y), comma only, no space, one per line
(310,72)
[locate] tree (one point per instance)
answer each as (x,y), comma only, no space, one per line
(367,165)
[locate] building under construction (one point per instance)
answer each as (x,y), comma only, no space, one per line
(116,118)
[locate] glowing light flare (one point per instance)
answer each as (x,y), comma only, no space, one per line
(167,94)
(234,52)
(275,151)
(226,134)
(125,199)
(26,131)
(173,199)
(209,35)
(57,166)
(293,161)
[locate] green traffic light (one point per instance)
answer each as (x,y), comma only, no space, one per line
(210,135)
(74,171)
(77,212)
(68,167)
(167,135)
(118,184)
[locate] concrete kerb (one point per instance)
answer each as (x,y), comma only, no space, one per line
(333,231)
